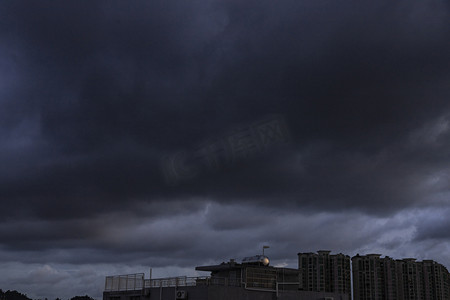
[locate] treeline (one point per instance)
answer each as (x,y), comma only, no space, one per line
(15,295)
(12,295)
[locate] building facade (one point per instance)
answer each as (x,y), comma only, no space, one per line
(319,276)
(378,278)
(251,279)
(323,272)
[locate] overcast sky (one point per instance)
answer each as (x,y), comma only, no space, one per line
(171,134)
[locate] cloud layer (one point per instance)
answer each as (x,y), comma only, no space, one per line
(94,99)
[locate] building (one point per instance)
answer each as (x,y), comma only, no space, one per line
(377,278)
(322,272)
(436,280)
(253,278)
(368,281)
(319,276)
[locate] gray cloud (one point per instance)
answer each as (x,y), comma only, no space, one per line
(93,97)
(174,245)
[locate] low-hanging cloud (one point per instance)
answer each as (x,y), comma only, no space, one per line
(92,96)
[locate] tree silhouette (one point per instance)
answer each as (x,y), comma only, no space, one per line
(12,295)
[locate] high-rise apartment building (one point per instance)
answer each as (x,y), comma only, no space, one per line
(377,278)
(436,280)
(367,277)
(322,272)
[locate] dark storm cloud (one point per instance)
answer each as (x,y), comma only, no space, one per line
(114,87)
(94,97)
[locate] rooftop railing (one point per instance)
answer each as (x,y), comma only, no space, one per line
(176,281)
(135,282)
(129,282)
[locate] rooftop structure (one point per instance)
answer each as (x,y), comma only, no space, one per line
(253,278)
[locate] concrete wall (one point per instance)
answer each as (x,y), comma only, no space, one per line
(219,293)
(168,293)
(307,295)
(165,293)
(238,293)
